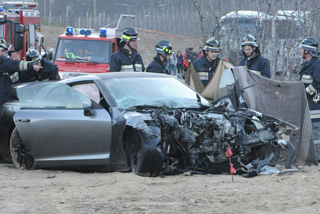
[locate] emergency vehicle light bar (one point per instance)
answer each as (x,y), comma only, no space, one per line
(69,31)
(19,5)
(103,32)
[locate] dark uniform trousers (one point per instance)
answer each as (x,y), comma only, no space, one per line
(310,75)
(123,61)
(257,64)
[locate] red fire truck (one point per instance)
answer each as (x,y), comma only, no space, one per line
(20,27)
(82,51)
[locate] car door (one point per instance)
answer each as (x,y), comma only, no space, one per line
(61,126)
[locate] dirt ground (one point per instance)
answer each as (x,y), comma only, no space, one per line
(51,191)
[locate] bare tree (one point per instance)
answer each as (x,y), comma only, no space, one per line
(196,4)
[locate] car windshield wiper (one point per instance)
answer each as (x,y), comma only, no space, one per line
(84,59)
(147,106)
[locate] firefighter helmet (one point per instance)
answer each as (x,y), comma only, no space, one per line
(212,45)
(163,47)
(33,56)
(249,40)
(310,44)
(3,43)
(129,34)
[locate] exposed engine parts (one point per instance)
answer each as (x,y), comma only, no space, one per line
(197,141)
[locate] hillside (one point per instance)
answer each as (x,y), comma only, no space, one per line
(146,45)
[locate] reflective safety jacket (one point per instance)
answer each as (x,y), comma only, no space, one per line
(70,55)
(123,61)
(257,64)
(310,75)
(205,69)
(49,71)
(157,66)
(9,74)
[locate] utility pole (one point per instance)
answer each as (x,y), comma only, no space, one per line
(95,13)
(273,33)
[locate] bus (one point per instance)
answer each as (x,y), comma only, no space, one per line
(290,29)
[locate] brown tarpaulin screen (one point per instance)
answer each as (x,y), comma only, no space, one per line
(284,100)
(209,92)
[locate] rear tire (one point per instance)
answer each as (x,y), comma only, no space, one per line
(20,157)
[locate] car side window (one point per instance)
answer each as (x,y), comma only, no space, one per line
(90,90)
(56,95)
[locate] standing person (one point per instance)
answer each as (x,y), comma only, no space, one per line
(173,64)
(200,52)
(159,63)
(179,62)
(185,55)
(49,71)
(9,72)
(127,58)
(252,57)
(310,75)
(204,74)
(207,64)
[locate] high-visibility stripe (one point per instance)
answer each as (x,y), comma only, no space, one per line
(315,114)
(126,37)
(138,67)
(311,90)
(307,77)
(256,72)
(70,55)
(203,75)
(314,111)
(127,68)
(306,81)
(14,77)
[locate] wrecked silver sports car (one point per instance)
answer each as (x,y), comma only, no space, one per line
(149,123)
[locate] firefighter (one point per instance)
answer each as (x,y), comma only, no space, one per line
(127,58)
(207,64)
(252,57)
(48,71)
(9,72)
(159,63)
(310,75)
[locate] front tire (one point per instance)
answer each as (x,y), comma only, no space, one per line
(145,154)
(20,157)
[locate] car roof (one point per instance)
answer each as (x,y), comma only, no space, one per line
(112,75)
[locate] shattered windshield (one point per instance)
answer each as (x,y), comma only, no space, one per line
(147,91)
(83,51)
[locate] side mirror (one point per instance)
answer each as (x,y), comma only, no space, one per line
(3,18)
(87,109)
(18,42)
(18,28)
(49,55)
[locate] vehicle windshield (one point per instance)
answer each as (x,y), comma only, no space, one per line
(150,91)
(83,51)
